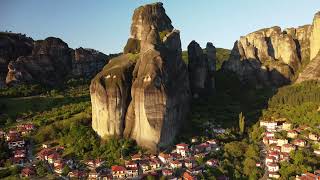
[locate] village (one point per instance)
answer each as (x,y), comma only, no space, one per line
(179,163)
(280,139)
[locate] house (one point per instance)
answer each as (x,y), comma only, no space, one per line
(196,170)
(92,164)
(270,126)
(287,148)
(182,149)
(218,130)
(164,158)
(284,156)
(145,167)
(212,142)
(28,172)
(276,148)
(20,153)
(167,172)
(212,162)
(300,142)
(269,134)
(12,135)
(17,143)
(273,141)
(77,174)
(188,176)
(292,134)
(200,155)
(132,169)
(58,168)
(309,176)
(273,167)
(44,153)
(286,126)
(258,164)
(136,157)
(265,140)
(118,172)
(274,154)
(281,142)
(313,137)
(189,163)
(175,164)
(270,159)
(317,152)
(53,157)
(93,174)
(274,175)
(155,164)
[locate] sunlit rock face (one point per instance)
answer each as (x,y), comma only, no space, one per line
(273,57)
(150,104)
(110,96)
(315,36)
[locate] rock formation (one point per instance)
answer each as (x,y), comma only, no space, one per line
(315,36)
(312,71)
(47,61)
(274,57)
(201,68)
(87,62)
(11,47)
(158,83)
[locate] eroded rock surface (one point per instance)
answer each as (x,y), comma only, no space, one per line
(12,46)
(274,57)
(160,92)
(312,71)
(47,61)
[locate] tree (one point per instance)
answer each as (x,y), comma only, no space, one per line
(41,168)
(241,123)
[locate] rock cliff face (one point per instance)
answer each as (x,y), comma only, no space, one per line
(46,61)
(47,64)
(315,36)
(274,57)
(158,83)
(87,62)
(312,71)
(201,68)
(11,47)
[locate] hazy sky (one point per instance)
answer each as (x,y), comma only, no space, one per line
(104,25)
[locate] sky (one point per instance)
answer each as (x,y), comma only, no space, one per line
(105,24)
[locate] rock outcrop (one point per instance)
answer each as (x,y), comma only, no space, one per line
(47,61)
(159,85)
(87,62)
(315,36)
(312,71)
(201,66)
(12,46)
(274,57)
